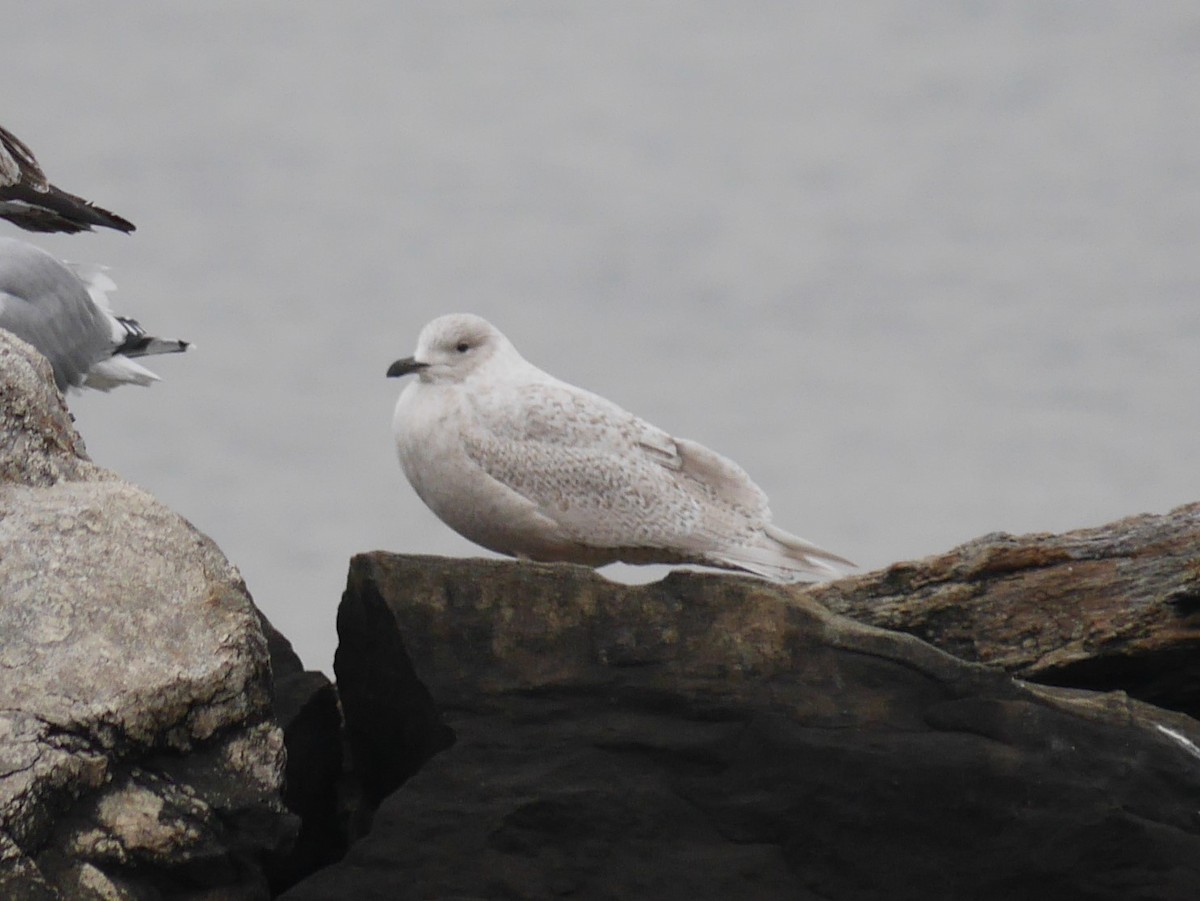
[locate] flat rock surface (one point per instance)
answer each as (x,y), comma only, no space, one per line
(720,737)
(137,755)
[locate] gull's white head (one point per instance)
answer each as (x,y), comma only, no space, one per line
(452,347)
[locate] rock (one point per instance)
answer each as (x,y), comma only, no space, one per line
(137,754)
(392,724)
(720,737)
(1115,607)
(305,705)
(38,444)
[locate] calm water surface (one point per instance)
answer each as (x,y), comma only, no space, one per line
(924,272)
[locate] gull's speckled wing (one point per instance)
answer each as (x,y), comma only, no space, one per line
(609,478)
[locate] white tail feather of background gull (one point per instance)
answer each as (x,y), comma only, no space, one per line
(63,311)
(29,200)
(527,465)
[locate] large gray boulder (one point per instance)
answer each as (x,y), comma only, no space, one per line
(306,707)
(138,758)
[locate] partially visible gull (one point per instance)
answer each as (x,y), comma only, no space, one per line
(27,199)
(62,310)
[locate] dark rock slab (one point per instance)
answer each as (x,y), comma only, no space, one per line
(720,737)
(1114,607)
(392,725)
(138,759)
(305,706)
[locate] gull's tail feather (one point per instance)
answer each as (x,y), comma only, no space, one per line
(783,557)
(129,337)
(132,341)
(136,343)
(117,371)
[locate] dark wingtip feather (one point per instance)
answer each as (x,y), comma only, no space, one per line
(27,199)
(58,211)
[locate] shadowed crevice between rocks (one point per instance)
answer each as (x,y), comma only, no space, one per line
(392,725)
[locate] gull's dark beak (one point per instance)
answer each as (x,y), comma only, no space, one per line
(404,367)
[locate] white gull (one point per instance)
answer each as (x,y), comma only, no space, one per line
(527,465)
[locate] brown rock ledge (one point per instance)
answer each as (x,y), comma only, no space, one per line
(1114,607)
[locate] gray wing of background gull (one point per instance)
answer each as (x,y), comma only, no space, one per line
(63,312)
(27,199)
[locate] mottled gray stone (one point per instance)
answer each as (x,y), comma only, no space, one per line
(38,444)
(137,754)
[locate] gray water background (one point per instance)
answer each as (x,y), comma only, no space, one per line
(926,270)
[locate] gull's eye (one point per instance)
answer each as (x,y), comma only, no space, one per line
(462,347)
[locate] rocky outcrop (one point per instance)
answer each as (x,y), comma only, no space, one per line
(515,730)
(719,737)
(1115,607)
(138,758)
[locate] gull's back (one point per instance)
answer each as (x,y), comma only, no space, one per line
(45,304)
